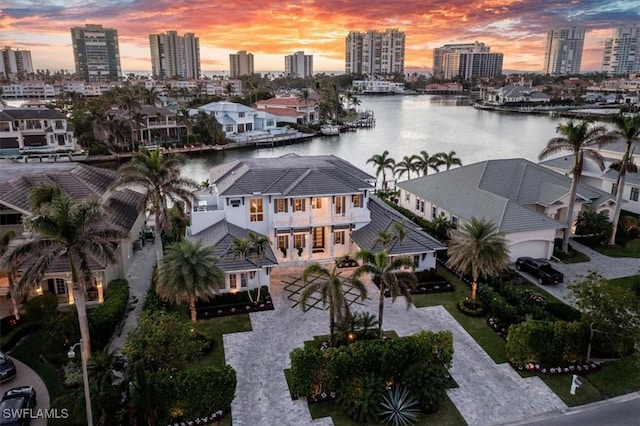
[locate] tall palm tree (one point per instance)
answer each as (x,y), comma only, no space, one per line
(259,245)
(580,139)
(426,162)
(9,271)
(449,159)
(408,164)
(189,272)
(479,249)
(391,274)
(382,162)
(628,129)
(76,231)
(159,176)
(303,97)
(318,279)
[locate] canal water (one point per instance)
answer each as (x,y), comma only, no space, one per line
(406,125)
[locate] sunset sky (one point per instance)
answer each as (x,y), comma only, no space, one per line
(271,29)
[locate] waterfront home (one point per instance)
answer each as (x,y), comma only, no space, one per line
(234,117)
(302,110)
(125,210)
(605,179)
(34,131)
(377,87)
(158,125)
(527,202)
(514,94)
(311,208)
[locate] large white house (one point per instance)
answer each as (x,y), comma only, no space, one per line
(606,179)
(314,208)
(526,201)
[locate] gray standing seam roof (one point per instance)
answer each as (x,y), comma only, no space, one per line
(383,218)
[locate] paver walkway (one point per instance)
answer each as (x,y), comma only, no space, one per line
(488,393)
(608,267)
(139,278)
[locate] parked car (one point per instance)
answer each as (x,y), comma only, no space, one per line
(15,406)
(7,368)
(541,269)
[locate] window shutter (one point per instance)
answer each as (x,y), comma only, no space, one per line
(275,205)
(303,204)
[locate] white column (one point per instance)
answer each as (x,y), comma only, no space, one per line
(70,292)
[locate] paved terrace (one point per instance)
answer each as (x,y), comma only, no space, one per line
(488,393)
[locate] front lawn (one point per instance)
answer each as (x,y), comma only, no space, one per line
(214,328)
(626,282)
(632,249)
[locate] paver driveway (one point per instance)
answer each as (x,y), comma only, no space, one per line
(488,393)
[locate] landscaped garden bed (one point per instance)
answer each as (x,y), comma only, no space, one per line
(235,303)
(429,282)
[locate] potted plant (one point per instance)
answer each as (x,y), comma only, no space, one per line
(284,251)
(299,248)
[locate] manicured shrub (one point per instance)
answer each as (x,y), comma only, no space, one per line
(550,344)
(194,393)
(307,363)
(361,396)
(563,312)
(26,327)
(472,308)
(104,319)
(42,308)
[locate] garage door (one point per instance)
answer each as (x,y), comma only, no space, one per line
(529,248)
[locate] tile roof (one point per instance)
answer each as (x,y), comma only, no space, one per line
(290,175)
(9,114)
(123,208)
(498,190)
(383,218)
(221,235)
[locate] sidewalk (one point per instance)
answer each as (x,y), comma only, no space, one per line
(608,267)
(488,393)
(139,278)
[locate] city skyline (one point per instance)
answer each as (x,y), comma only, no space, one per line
(270,30)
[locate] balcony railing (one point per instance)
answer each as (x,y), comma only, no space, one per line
(287,220)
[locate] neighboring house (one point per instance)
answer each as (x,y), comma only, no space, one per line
(234,118)
(527,202)
(125,210)
(304,111)
(378,87)
(515,94)
(312,208)
(606,179)
(34,131)
(159,125)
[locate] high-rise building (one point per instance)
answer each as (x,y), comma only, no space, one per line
(622,51)
(240,63)
(374,52)
(174,56)
(466,60)
(563,53)
(15,62)
(96,52)
(298,65)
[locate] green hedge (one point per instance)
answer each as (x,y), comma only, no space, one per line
(42,308)
(314,371)
(193,393)
(550,344)
(8,341)
(104,319)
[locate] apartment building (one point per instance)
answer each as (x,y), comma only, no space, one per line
(467,60)
(96,53)
(15,62)
(175,56)
(240,64)
(375,52)
(621,51)
(563,51)
(298,65)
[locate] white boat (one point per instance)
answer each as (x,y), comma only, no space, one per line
(330,129)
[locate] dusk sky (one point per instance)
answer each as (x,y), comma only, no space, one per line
(271,29)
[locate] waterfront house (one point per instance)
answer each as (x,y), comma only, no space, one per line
(605,179)
(527,202)
(311,208)
(292,108)
(235,118)
(378,87)
(125,210)
(35,131)
(158,126)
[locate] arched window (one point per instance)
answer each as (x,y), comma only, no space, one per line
(57,286)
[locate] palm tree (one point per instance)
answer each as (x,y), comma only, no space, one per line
(259,245)
(331,288)
(448,159)
(389,271)
(580,139)
(189,272)
(479,249)
(382,162)
(9,271)
(104,393)
(407,165)
(303,97)
(76,231)
(426,162)
(160,178)
(628,129)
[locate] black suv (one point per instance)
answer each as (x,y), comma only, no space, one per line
(7,368)
(16,405)
(540,269)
